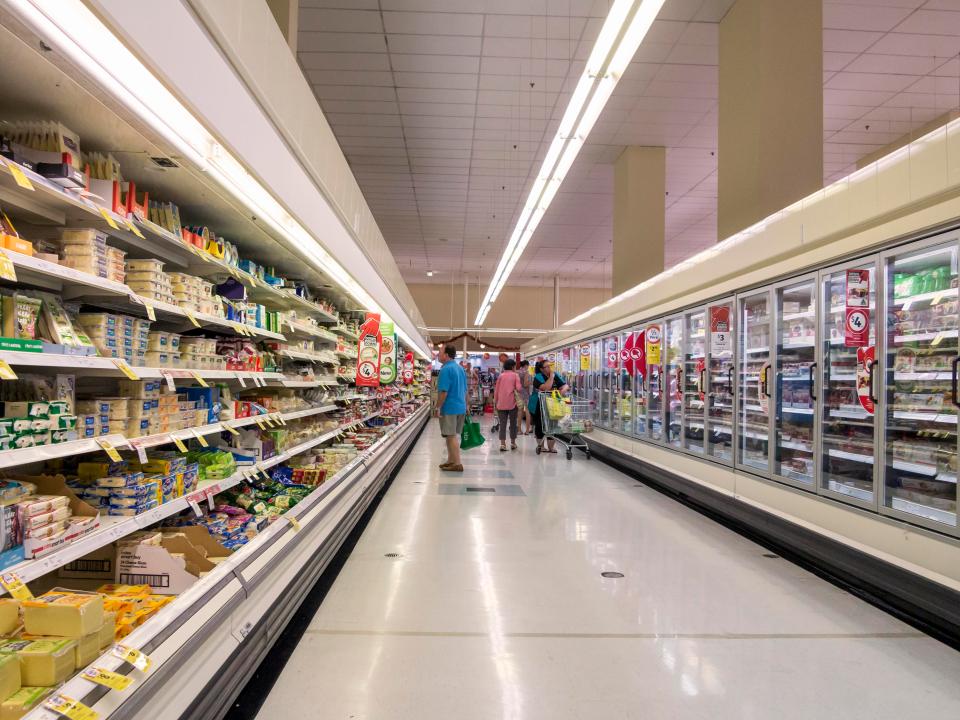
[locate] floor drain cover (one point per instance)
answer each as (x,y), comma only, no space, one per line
(610,574)
(482,489)
(393,555)
(771,555)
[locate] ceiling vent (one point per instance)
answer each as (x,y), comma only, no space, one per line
(164,162)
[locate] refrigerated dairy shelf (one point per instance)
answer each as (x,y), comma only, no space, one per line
(936,295)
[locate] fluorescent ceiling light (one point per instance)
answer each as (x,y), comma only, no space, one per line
(70,27)
(626,25)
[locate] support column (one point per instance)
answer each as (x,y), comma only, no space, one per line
(286,13)
(771,109)
(556,301)
(639,191)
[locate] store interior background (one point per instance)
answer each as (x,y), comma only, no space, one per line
(445,110)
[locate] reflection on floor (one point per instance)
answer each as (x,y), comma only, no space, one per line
(495,608)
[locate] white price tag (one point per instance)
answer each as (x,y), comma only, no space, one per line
(141,452)
(171,385)
(241,380)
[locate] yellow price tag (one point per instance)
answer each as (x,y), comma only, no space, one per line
(263,473)
(109,218)
(70,708)
(109,449)
(231,429)
(134,229)
(179,443)
(123,367)
(14,585)
(294,523)
(196,376)
(151,311)
(269,421)
(200,438)
(7,269)
(6,372)
(192,318)
(107,678)
(281,420)
(260,423)
(134,657)
(19,176)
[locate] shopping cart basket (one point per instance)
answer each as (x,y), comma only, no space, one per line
(566,420)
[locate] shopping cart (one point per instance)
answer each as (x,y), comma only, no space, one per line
(475,400)
(566,420)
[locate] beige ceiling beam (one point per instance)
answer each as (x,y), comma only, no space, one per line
(771,109)
(639,211)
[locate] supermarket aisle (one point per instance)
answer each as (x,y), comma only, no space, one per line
(496,608)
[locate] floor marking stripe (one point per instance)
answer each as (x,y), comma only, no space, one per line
(627,636)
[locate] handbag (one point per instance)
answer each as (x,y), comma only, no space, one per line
(472,435)
(557,409)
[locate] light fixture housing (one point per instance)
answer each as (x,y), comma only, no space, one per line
(624,29)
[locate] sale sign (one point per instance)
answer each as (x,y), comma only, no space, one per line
(368,352)
(653,345)
(865,360)
(388,354)
(721,338)
(856,324)
(613,354)
(407,373)
(638,353)
(626,359)
(585,357)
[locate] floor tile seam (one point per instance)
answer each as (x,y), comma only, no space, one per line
(619,636)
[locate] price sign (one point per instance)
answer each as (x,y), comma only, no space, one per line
(134,229)
(200,438)
(132,656)
(230,429)
(192,318)
(123,367)
(856,327)
(69,708)
(109,218)
(6,372)
(14,585)
(171,385)
(196,376)
(179,443)
(107,678)
(7,270)
(294,523)
(19,176)
(109,449)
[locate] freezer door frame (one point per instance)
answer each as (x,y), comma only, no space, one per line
(813,278)
(682,317)
(685,350)
(660,322)
(879,322)
(742,357)
(944,239)
(638,389)
(730,300)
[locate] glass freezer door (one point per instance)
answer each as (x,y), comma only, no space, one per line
(638,355)
(673,379)
(693,381)
(655,385)
(626,384)
(849,384)
(719,379)
(920,464)
(755,382)
(796,382)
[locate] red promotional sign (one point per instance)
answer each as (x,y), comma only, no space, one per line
(613,354)
(626,357)
(721,340)
(856,325)
(407,373)
(865,360)
(368,352)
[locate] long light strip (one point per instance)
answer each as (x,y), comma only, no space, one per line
(74,30)
(626,25)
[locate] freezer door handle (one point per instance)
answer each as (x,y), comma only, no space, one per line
(953,381)
(813,382)
(872,378)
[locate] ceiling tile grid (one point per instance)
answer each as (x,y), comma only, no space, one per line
(445,108)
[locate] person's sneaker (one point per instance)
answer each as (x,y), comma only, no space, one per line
(452,468)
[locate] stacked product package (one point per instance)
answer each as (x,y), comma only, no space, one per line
(117,336)
(36,422)
(131,487)
(86,250)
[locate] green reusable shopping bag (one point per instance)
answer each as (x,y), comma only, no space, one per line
(471,436)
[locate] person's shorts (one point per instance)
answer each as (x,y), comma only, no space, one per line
(451,425)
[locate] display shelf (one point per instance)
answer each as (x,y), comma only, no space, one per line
(797,446)
(798,315)
(324,382)
(923,297)
(849,490)
(944,418)
(41,453)
(924,469)
(799,343)
(917,337)
(305,330)
(798,411)
(927,375)
(345,332)
(307,357)
(913,508)
(853,457)
(853,412)
(113,528)
(755,350)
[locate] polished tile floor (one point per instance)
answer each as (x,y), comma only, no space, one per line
(495,608)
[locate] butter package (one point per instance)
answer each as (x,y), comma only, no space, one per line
(57,515)
(70,615)
(44,662)
(9,675)
(9,615)
(40,504)
(25,700)
(28,408)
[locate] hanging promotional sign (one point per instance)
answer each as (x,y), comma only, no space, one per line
(566,354)
(613,353)
(585,357)
(856,326)
(762,397)
(388,354)
(653,345)
(865,359)
(626,358)
(407,373)
(721,341)
(638,354)
(368,352)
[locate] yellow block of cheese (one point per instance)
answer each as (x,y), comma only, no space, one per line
(70,615)
(47,662)
(9,615)
(107,629)
(87,649)
(9,675)
(22,702)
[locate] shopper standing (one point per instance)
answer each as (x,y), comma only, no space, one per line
(526,384)
(544,380)
(506,393)
(451,406)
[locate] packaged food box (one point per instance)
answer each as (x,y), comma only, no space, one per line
(43,662)
(70,615)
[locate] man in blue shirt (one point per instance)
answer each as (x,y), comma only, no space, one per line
(451,406)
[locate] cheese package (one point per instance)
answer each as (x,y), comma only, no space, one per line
(9,675)
(22,702)
(69,615)
(107,630)
(47,662)
(9,615)
(87,649)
